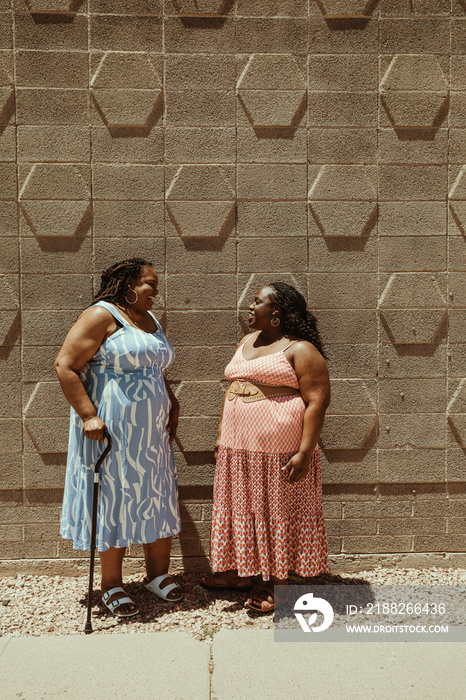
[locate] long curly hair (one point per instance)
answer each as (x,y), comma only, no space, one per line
(296,317)
(116,279)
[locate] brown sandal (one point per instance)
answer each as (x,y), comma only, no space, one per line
(221,579)
(265,597)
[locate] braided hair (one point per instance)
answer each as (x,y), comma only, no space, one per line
(115,280)
(297,319)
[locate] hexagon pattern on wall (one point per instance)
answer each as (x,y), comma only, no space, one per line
(126,88)
(414,91)
(6,88)
(272,90)
(258,280)
(55,199)
(45,406)
(201,200)
(339,9)
(352,416)
(202,8)
(457,197)
(413,307)
(342,199)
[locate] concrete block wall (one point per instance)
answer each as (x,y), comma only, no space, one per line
(233,142)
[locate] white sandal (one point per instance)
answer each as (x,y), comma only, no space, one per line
(113,605)
(154,587)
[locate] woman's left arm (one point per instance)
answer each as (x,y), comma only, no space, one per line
(174,411)
(314,385)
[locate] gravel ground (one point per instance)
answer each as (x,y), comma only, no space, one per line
(43,605)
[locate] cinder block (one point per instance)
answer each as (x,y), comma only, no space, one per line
(29,550)
(128,7)
(35,332)
(439,543)
(274,255)
(208,71)
(200,108)
(11,432)
(11,471)
(249,284)
(412,218)
(10,364)
(200,397)
(46,36)
(200,145)
(342,145)
(54,181)
(377,509)
(201,291)
(456,286)
(412,253)
(271,108)
(9,292)
(271,71)
(201,363)
(38,362)
(272,219)
(202,219)
(45,398)
(8,185)
(406,396)
(135,182)
(6,31)
(270,35)
(374,544)
(54,255)
(342,109)
(126,219)
(429,147)
(411,526)
(343,73)
(406,8)
(342,290)
(11,533)
(411,430)
(456,463)
(109,250)
(347,38)
(8,221)
(457,325)
(352,360)
(195,469)
(349,432)
(272,8)
(432,509)
(458,72)
(188,256)
(118,146)
(412,182)
(9,254)
(272,182)
(345,326)
(11,400)
(42,106)
(8,144)
(352,396)
(350,492)
(47,470)
(409,361)
(9,328)
(46,435)
(348,466)
(199,35)
(341,254)
(271,145)
(46,532)
(412,465)
(125,33)
(458,33)
(456,525)
(197,434)
(54,143)
(417,35)
(29,514)
(57,69)
(419,290)
(202,327)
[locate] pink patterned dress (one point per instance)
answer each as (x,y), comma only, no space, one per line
(260,522)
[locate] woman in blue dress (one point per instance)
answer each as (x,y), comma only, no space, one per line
(111,370)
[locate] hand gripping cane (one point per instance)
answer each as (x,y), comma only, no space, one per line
(88,625)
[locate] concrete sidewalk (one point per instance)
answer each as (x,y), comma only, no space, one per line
(242,665)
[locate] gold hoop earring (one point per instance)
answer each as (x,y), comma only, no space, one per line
(275,321)
(126,296)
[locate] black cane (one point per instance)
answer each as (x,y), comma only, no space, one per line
(88,625)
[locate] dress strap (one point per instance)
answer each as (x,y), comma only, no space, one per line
(157,324)
(115,313)
(290,344)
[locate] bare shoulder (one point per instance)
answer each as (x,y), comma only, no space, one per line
(244,339)
(305,353)
(94,321)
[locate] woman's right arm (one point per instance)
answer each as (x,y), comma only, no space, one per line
(82,342)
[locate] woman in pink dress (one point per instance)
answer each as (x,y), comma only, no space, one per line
(267,516)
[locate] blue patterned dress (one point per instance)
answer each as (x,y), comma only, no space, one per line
(138,485)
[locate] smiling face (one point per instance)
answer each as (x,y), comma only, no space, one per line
(262,309)
(146,288)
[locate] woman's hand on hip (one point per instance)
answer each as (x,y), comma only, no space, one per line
(297,467)
(94,428)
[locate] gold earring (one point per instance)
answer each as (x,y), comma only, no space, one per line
(275,321)
(126,296)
